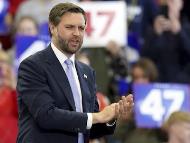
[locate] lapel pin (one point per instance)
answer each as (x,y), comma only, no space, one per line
(85,76)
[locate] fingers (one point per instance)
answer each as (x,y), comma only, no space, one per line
(117,110)
(126,106)
(121,106)
(122,109)
(130,102)
(127,102)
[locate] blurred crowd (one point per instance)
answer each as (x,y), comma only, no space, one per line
(161,29)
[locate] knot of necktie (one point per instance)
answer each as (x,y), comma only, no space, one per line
(68,62)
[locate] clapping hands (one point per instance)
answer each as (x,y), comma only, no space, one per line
(125,107)
(120,110)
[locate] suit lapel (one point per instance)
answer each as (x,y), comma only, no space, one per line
(84,87)
(59,74)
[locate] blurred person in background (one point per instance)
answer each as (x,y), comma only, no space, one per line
(177,127)
(25,26)
(8,10)
(140,16)
(8,103)
(117,68)
(6,73)
(142,136)
(168,44)
(144,71)
(12,10)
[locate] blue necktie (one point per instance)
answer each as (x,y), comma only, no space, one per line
(76,95)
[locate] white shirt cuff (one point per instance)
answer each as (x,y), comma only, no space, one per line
(89,121)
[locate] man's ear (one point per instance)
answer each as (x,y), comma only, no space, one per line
(52,28)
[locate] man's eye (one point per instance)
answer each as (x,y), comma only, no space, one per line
(81,28)
(68,26)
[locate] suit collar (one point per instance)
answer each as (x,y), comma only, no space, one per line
(61,56)
(58,72)
(84,86)
(60,76)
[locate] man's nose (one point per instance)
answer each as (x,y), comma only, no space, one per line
(76,32)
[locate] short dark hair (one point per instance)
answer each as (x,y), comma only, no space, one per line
(60,9)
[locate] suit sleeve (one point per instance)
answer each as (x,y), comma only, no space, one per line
(34,92)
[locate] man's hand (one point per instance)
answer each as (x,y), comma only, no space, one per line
(126,107)
(121,110)
(161,24)
(175,7)
(107,114)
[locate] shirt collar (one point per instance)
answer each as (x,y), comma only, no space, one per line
(61,56)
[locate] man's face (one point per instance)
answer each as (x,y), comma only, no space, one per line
(68,34)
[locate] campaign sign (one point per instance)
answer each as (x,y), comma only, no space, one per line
(106,20)
(28,45)
(155,102)
(4,4)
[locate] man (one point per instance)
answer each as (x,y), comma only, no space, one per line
(56,94)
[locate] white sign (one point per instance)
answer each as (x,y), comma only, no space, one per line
(105,21)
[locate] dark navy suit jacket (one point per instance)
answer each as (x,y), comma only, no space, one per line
(46,105)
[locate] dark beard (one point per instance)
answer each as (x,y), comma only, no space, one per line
(64,47)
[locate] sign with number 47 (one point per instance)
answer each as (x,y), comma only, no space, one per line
(155,102)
